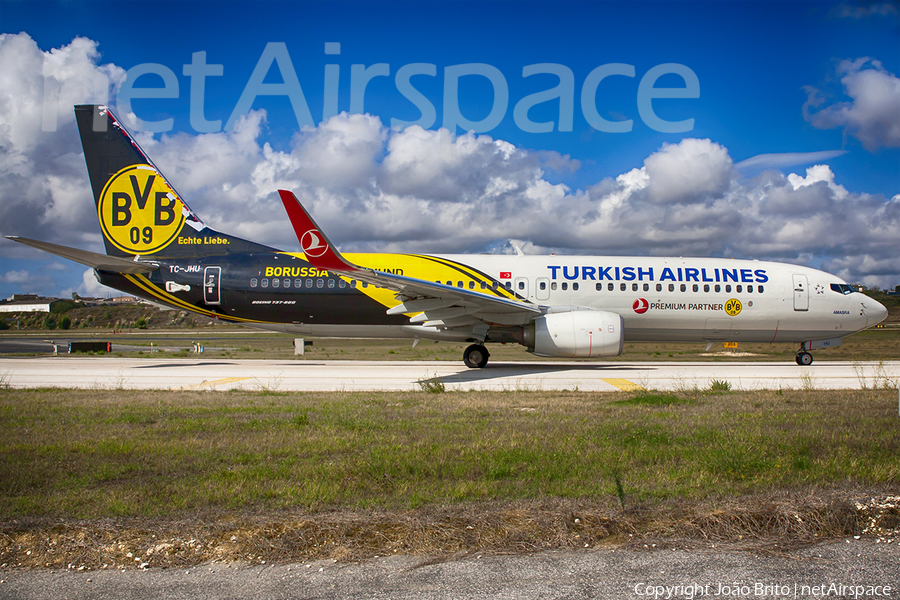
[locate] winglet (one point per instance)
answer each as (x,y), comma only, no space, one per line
(319,251)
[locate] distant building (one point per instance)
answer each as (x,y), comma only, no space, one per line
(26,303)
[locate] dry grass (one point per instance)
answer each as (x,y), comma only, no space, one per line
(769,522)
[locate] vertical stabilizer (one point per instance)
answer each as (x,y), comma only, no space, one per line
(140,213)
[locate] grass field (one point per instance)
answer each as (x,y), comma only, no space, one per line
(106,457)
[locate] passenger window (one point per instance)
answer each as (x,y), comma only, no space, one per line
(320,283)
(622,287)
(695,288)
(331,283)
(739,288)
(610,287)
(575,287)
(342,284)
(634,287)
(543,285)
(309,283)
(265,283)
(706,287)
(553,286)
(459,284)
(287,283)
(718,288)
(599,287)
(276,283)
(646,287)
(494,286)
(760,289)
(471,285)
(298,283)
(254,282)
(365,285)
(728,289)
(658,287)
(671,287)
(565,286)
(353,284)
(683,287)
(508,285)
(750,289)
(484,285)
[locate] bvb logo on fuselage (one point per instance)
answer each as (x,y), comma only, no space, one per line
(139,213)
(733,307)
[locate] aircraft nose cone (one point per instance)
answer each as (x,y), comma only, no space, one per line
(876,314)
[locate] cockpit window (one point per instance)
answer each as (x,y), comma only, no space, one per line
(842,288)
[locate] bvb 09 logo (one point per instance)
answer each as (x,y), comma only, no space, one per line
(139,212)
(733,307)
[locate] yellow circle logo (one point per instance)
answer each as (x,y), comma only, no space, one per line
(733,307)
(139,213)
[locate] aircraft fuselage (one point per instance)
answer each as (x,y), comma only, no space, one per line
(660,299)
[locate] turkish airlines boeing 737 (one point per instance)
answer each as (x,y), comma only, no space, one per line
(567,306)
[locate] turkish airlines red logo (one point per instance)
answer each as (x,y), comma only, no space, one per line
(505,274)
(312,244)
(640,306)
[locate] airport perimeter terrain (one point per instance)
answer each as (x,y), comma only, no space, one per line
(109,478)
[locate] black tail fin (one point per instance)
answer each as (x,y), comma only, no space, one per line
(140,212)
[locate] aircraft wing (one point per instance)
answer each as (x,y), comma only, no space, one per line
(91,259)
(439,305)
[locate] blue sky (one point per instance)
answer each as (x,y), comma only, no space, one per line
(775,78)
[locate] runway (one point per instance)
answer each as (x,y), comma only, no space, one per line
(334,375)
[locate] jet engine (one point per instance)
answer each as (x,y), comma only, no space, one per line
(576,334)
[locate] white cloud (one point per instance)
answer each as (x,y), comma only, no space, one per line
(690,171)
(784,160)
(43,181)
(92,288)
(872,114)
(373,188)
(21,276)
(869,9)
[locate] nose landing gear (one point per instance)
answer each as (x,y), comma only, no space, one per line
(804,358)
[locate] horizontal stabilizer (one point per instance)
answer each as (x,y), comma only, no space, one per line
(91,259)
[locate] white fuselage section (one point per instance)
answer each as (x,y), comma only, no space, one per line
(691,299)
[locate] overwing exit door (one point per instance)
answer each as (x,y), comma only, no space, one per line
(211,293)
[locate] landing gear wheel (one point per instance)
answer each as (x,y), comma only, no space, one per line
(476,356)
(804,359)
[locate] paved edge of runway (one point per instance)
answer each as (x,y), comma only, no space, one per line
(336,375)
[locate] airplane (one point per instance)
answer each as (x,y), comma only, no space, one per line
(159,249)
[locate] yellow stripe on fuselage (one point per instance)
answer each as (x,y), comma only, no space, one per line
(145,284)
(424,267)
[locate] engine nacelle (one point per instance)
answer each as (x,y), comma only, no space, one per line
(576,334)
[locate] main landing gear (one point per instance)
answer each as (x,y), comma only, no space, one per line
(476,356)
